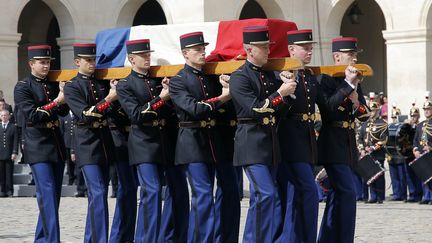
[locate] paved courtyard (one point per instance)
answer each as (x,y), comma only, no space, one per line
(388,222)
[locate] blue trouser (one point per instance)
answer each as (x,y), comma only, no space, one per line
(227,204)
(427,194)
(264,219)
(150,205)
(97,179)
(398,181)
(301,218)
(201,216)
(377,188)
(123,224)
(338,223)
(361,188)
(414,184)
(175,213)
(48,178)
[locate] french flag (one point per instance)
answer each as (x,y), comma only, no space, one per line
(225,41)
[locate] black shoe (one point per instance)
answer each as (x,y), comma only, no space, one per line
(80,194)
(424,202)
(411,200)
(397,199)
(371,201)
(380,201)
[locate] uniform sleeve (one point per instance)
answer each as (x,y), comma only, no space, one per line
(77,103)
(15,140)
(24,99)
(362,112)
(243,93)
(361,137)
(137,113)
(417,136)
(183,100)
(333,96)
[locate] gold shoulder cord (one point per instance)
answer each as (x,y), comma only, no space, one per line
(377,133)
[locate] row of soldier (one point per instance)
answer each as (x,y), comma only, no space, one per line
(400,142)
(199,127)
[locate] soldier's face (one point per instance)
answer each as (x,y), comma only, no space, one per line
(345,58)
(302,52)
(259,53)
(140,60)
(40,67)
(4,116)
(415,118)
(195,55)
(428,112)
(86,65)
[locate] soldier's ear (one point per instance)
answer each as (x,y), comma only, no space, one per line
(77,62)
(130,59)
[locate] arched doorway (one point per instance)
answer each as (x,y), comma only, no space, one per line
(365,20)
(150,13)
(252,9)
(38,25)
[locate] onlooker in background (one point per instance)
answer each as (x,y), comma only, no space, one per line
(8,153)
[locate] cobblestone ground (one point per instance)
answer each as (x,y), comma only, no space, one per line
(388,222)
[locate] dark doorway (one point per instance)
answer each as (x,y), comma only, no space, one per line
(38,26)
(252,9)
(367,25)
(150,13)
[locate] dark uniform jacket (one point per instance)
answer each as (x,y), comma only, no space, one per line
(374,133)
(226,127)
(297,128)
(423,135)
(43,140)
(120,127)
(153,132)
(92,137)
(337,145)
(254,92)
(189,90)
(9,144)
(67,127)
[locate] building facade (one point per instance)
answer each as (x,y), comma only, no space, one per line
(395,34)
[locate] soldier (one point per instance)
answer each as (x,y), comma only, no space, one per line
(373,137)
(337,149)
(256,96)
(422,143)
(395,112)
(151,148)
(8,154)
(123,180)
(299,157)
(198,100)
(414,183)
(41,103)
(91,102)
